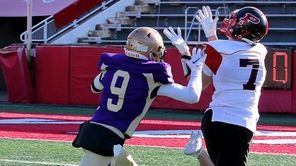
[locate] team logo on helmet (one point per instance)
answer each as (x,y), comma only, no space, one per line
(246,23)
(249,18)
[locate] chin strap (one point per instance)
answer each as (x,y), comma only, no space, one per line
(134,54)
(252,43)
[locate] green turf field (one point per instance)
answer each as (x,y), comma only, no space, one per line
(265,118)
(15,152)
(33,153)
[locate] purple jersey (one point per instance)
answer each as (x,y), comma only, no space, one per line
(128,85)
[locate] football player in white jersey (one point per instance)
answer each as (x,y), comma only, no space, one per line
(237,71)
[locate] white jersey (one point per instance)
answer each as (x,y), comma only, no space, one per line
(238,73)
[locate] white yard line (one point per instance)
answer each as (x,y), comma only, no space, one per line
(37,121)
(35,162)
(275,141)
(31,139)
(186,134)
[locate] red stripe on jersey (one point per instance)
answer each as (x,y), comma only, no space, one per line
(214,58)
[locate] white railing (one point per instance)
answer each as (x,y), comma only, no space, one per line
(40,27)
(42,32)
(193,22)
(220,11)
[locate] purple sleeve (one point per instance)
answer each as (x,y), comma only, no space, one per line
(165,75)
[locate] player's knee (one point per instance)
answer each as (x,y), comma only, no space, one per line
(92,159)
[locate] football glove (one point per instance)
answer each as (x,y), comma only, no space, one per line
(177,40)
(197,60)
(209,25)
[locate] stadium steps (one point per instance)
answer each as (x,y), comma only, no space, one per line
(162,13)
(103,31)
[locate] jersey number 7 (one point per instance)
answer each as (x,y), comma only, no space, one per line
(250,85)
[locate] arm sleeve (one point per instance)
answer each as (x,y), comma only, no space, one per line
(96,85)
(189,94)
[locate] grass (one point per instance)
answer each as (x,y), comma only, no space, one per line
(14,152)
(32,153)
(265,118)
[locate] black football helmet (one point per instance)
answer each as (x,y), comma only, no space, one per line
(245,23)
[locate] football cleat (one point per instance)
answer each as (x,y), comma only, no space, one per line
(194,147)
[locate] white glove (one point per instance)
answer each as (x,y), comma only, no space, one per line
(209,25)
(197,60)
(177,40)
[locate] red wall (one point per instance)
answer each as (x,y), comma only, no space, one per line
(82,70)
(64,74)
(74,11)
(16,73)
(52,74)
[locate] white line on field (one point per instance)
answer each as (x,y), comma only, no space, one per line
(34,162)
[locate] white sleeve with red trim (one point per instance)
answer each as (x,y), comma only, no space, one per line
(214,59)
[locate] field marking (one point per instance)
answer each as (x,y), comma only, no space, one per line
(37,121)
(268,153)
(286,137)
(186,134)
(181,133)
(34,139)
(35,162)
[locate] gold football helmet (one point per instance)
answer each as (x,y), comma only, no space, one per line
(145,43)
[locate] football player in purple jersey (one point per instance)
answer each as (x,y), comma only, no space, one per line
(128,84)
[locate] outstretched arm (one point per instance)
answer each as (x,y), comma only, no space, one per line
(191,92)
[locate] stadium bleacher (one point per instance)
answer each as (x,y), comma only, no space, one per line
(162,13)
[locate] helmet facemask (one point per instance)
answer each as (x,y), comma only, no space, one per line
(227,25)
(157,53)
(248,24)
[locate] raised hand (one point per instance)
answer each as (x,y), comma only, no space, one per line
(177,40)
(205,18)
(197,60)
